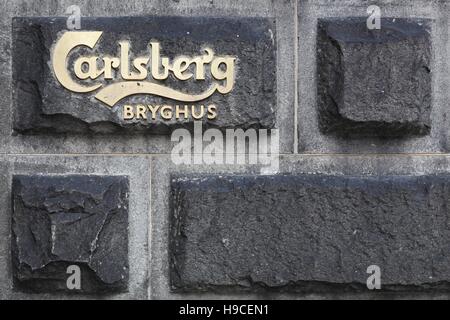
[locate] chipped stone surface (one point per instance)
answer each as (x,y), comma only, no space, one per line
(58,221)
(42,105)
(374,83)
(309,233)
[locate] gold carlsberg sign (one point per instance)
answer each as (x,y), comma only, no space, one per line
(135,77)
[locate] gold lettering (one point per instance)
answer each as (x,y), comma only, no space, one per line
(212,112)
(166,112)
(141,112)
(134,72)
(180,65)
(128,113)
(153,110)
(178,112)
(155,63)
(198,116)
(125,64)
(200,63)
(91,65)
(227,75)
(109,64)
(141,65)
(68,42)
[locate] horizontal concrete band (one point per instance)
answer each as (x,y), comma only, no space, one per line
(309,232)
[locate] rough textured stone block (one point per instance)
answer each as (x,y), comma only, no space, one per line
(374,82)
(309,232)
(42,104)
(59,221)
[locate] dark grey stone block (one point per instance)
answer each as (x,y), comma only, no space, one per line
(308,233)
(374,83)
(59,221)
(42,104)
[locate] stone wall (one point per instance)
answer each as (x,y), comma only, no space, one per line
(364,172)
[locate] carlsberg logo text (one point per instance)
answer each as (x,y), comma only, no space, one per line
(139,75)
